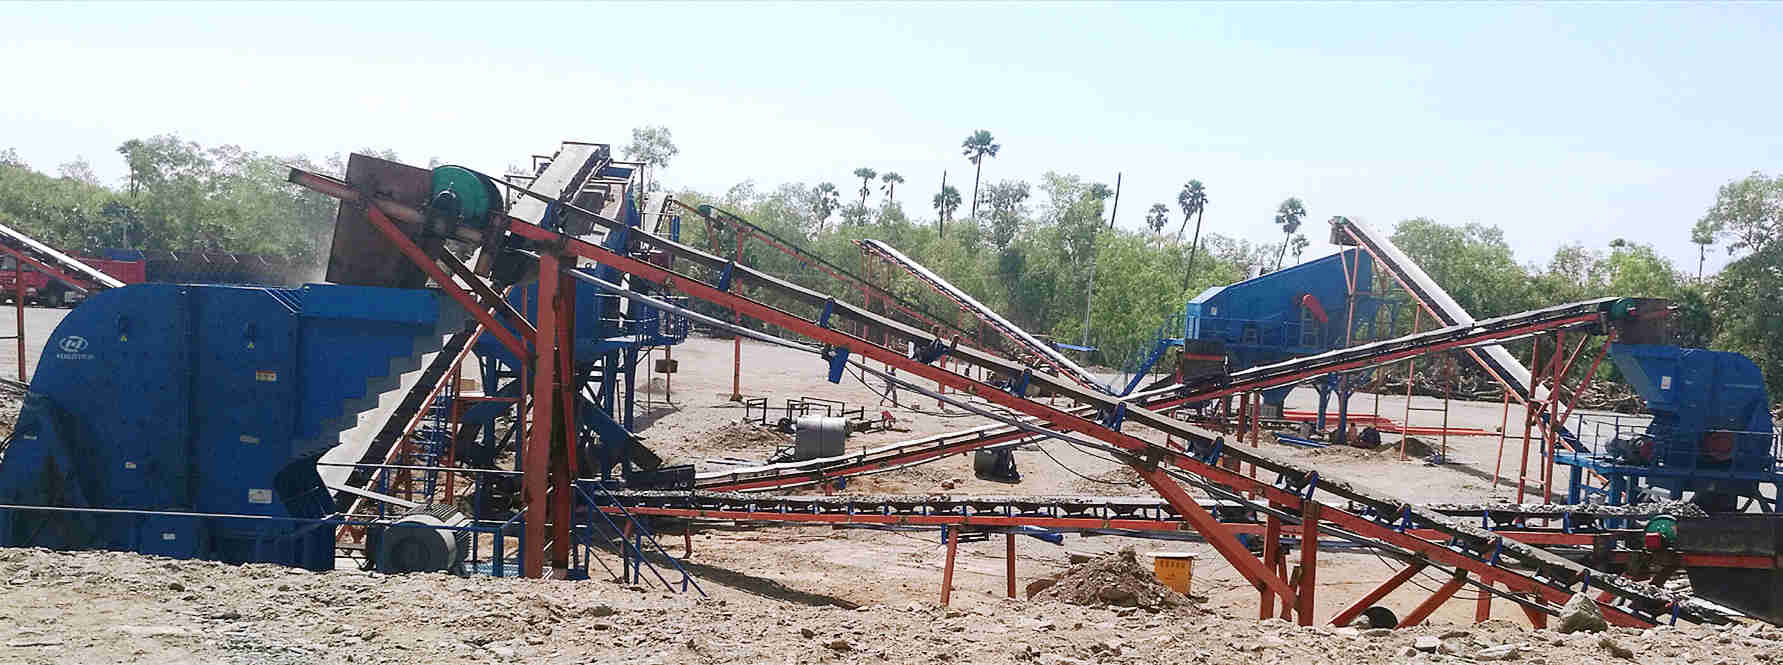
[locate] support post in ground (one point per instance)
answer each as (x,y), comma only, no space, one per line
(18,301)
(537,456)
(1272,556)
(1535,354)
(737,340)
(1411,371)
(1009,564)
(1537,618)
(1309,561)
(1442,595)
(1482,609)
(1369,599)
(953,547)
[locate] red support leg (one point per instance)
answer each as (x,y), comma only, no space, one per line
(563,463)
(953,547)
(1009,564)
(1309,562)
(18,300)
(737,340)
(1272,556)
(1368,600)
(1482,610)
(1442,595)
(1537,618)
(536,464)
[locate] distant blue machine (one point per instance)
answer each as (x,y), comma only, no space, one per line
(1297,311)
(167,400)
(1710,436)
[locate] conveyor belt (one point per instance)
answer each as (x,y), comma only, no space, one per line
(1477,551)
(916,451)
(1048,355)
(65,267)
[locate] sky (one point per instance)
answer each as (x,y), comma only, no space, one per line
(1559,123)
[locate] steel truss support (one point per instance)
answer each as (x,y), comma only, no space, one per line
(1368,600)
(1442,595)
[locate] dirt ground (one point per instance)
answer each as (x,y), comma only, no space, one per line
(99,607)
(798,594)
(40,323)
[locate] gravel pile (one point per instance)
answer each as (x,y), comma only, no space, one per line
(1117,580)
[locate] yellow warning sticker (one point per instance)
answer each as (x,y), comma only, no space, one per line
(266,375)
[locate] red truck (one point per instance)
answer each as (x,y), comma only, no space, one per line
(41,289)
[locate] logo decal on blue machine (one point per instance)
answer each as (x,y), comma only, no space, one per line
(73,347)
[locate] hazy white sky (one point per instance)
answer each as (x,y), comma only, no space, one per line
(1559,123)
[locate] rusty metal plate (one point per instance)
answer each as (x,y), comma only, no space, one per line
(359,254)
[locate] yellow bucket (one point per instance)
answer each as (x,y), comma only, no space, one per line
(1174,569)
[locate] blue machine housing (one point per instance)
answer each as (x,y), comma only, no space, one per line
(1711,432)
(160,399)
(1297,311)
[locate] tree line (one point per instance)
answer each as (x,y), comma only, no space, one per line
(1043,253)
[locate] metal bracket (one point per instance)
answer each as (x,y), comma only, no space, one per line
(1020,387)
(829,308)
(1114,420)
(838,363)
(724,278)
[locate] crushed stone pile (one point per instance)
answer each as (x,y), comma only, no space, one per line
(1115,579)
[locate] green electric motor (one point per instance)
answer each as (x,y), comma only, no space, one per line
(1663,528)
(460,197)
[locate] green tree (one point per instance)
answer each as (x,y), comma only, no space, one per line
(79,171)
(976,147)
(654,146)
(1706,232)
(891,180)
(1156,217)
(866,175)
(825,200)
(946,201)
(1005,202)
(1472,262)
(1298,245)
(1288,216)
(1750,210)
(651,145)
(1193,201)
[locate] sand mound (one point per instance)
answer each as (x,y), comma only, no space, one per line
(743,437)
(1116,579)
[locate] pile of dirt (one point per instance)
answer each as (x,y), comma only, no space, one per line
(1114,579)
(743,437)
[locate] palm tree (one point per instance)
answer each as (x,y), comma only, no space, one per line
(975,147)
(866,175)
(1156,218)
(826,202)
(947,201)
(1288,216)
(1193,200)
(1703,234)
(1299,244)
(891,180)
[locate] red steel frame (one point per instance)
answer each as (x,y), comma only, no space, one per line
(1222,538)
(545,441)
